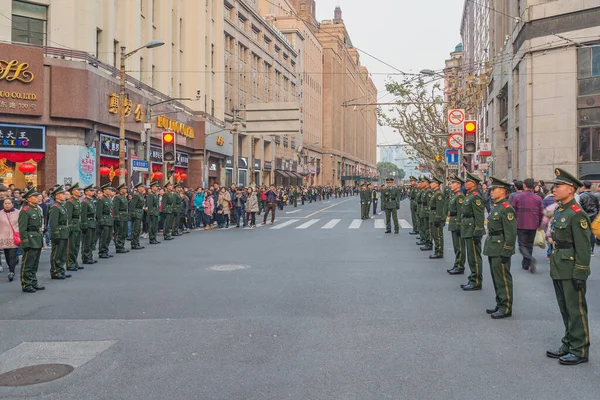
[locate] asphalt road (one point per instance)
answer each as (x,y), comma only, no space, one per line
(323,310)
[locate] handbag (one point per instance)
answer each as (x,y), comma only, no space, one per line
(540,239)
(16,235)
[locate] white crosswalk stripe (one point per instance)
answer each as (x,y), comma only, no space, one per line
(290,222)
(379,224)
(355,224)
(404,224)
(331,224)
(308,224)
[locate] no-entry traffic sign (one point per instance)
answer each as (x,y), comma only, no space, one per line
(456,120)
(455,141)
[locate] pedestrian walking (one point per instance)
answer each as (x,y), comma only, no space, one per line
(209,205)
(251,207)
(271,196)
(9,231)
(530,211)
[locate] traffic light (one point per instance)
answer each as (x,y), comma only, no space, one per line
(470,137)
(168,146)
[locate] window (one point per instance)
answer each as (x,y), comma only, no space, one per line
(29,23)
(596,61)
(98,41)
(115,53)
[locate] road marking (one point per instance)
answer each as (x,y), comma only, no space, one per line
(404,224)
(326,208)
(325,202)
(291,221)
(291,212)
(258,226)
(331,224)
(355,224)
(380,212)
(379,224)
(307,224)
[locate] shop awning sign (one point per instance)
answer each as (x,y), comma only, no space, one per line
(25,138)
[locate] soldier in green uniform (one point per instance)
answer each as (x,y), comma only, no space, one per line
(413,205)
(375,198)
(176,209)
(59,234)
(471,230)
(88,225)
(153,212)
(105,220)
(295,196)
(389,198)
(455,206)
(121,213)
(31,224)
(425,200)
(167,211)
(369,200)
(570,268)
(500,246)
(137,213)
(73,206)
(437,218)
(362,199)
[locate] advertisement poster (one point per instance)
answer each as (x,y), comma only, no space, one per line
(76,164)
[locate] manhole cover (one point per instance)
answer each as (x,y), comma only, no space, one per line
(228,267)
(35,374)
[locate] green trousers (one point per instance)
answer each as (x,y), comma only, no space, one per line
(152,227)
(437,238)
(175,224)
(120,234)
(503,285)
(105,238)
(136,230)
(167,225)
(414,218)
(29,267)
(424,231)
(58,256)
(73,248)
(459,250)
(87,240)
(573,308)
(364,210)
(474,258)
(390,213)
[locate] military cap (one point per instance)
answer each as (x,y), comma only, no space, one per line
(436,179)
(106,186)
(89,187)
(121,186)
(496,182)
(58,190)
(389,179)
(426,179)
(74,187)
(152,184)
(456,178)
(412,178)
(138,185)
(30,192)
(473,178)
(168,183)
(565,178)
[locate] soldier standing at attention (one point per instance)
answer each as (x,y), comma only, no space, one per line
(413,205)
(362,200)
(369,199)
(31,224)
(418,197)
(425,200)
(375,198)
(390,196)
(59,234)
(437,218)
(137,212)
(105,219)
(455,211)
(88,225)
(121,213)
(500,246)
(153,212)
(471,230)
(570,268)
(167,210)
(176,209)
(73,206)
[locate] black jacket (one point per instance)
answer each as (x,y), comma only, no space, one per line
(590,204)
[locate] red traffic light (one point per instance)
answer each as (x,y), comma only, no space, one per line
(168,137)
(470,126)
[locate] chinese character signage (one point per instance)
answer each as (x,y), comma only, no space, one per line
(267,167)
(113,107)
(109,146)
(156,155)
(182,159)
(22,138)
(21,80)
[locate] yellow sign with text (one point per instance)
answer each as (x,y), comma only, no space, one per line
(13,70)
(175,126)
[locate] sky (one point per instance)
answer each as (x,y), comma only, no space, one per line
(409,35)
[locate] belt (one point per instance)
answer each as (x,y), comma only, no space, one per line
(495,233)
(453,214)
(562,245)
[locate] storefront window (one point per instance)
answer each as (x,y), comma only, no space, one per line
(29,23)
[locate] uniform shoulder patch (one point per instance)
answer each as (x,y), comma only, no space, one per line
(474,193)
(439,197)
(25,208)
(55,204)
(461,201)
(505,204)
(575,208)
(478,202)
(510,216)
(583,223)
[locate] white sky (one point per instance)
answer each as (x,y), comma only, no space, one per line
(409,35)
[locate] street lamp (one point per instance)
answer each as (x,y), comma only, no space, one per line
(122,104)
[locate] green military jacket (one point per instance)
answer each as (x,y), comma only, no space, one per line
(390,197)
(455,206)
(120,209)
(473,216)
(59,221)
(177,202)
(502,231)
(104,212)
(30,228)
(414,192)
(447,195)
(426,196)
(88,213)
(168,202)
(73,207)
(570,258)
(152,204)
(137,206)
(437,207)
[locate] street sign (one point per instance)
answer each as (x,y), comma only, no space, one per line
(455,141)
(139,165)
(485,149)
(451,157)
(456,120)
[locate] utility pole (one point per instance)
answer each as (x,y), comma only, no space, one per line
(235,131)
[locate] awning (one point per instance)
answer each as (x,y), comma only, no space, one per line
(284,174)
(297,175)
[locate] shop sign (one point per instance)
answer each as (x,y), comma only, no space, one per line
(213,167)
(109,146)
(156,155)
(220,141)
(268,166)
(139,165)
(21,80)
(228,162)
(242,163)
(113,107)
(256,164)
(23,138)
(182,159)
(286,166)
(175,126)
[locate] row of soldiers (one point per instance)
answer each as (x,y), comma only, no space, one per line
(391,198)
(464,210)
(82,218)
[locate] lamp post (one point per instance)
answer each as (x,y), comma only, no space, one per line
(122,104)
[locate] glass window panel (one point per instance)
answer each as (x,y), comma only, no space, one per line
(596,61)
(595,133)
(19,35)
(589,86)
(589,116)
(19,23)
(583,56)
(584,144)
(35,25)
(28,10)
(36,38)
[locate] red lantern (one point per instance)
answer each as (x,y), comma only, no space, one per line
(118,172)
(104,171)
(158,175)
(183,175)
(176,175)
(27,168)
